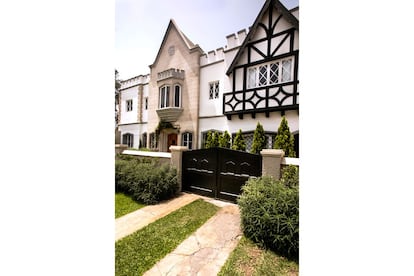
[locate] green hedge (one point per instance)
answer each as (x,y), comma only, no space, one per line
(270,213)
(147,182)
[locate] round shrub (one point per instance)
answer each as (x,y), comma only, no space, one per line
(270,215)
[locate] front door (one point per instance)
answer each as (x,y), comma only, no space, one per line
(171,141)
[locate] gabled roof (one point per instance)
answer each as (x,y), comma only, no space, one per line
(268,4)
(190,45)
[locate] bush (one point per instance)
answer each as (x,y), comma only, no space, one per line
(270,215)
(224,140)
(146,182)
(290,176)
(259,139)
(238,142)
(284,139)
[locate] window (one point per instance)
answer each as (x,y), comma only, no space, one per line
(144,140)
(187,140)
(214,90)
(172,99)
(128,139)
(270,73)
(146,103)
(177,96)
(153,141)
(128,105)
(164,97)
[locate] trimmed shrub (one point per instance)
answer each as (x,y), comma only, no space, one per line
(238,142)
(259,139)
(284,139)
(270,215)
(146,182)
(224,140)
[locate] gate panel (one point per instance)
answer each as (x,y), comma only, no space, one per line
(219,172)
(235,168)
(200,172)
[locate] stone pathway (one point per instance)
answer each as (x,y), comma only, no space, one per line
(206,250)
(138,219)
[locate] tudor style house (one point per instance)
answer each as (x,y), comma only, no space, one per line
(188,93)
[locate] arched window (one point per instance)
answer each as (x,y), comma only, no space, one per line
(164,96)
(187,140)
(177,95)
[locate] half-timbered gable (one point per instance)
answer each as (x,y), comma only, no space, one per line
(264,72)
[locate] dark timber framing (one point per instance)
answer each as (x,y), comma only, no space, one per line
(275,97)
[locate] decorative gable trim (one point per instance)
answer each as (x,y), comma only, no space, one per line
(257,23)
(190,45)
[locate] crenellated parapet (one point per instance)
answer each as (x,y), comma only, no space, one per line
(141,79)
(171,73)
(233,41)
(212,56)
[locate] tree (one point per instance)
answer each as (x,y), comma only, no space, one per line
(208,140)
(238,143)
(215,139)
(259,139)
(284,139)
(224,140)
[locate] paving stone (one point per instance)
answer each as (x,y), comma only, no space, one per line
(206,250)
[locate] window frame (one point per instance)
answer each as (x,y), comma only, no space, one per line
(257,78)
(187,139)
(129,106)
(179,95)
(164,96)
(214,90)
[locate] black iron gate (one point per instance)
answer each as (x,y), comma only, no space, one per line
(219,172)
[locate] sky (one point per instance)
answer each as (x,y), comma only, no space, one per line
(140,26)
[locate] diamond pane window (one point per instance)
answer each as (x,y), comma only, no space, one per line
(216,90)
(274,73)
(286,70)
(262,75)
(211,92)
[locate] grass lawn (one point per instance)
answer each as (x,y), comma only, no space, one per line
(249,259)
(125,204)
(141,250)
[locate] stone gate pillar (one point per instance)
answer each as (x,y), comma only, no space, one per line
(177,162)
(271,162)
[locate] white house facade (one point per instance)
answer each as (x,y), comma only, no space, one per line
(254,78)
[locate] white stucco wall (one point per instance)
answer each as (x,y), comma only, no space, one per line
(128,117)
(145,94)
(208,74)
(135,129)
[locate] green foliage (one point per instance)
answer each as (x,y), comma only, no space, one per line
(238,143)
(139,251)
(290,176)
(212,140)
(284,139)
(249,259)
(208,140)
(259,139)
(124,204)
(224,140)
(145,181)
(270,215)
